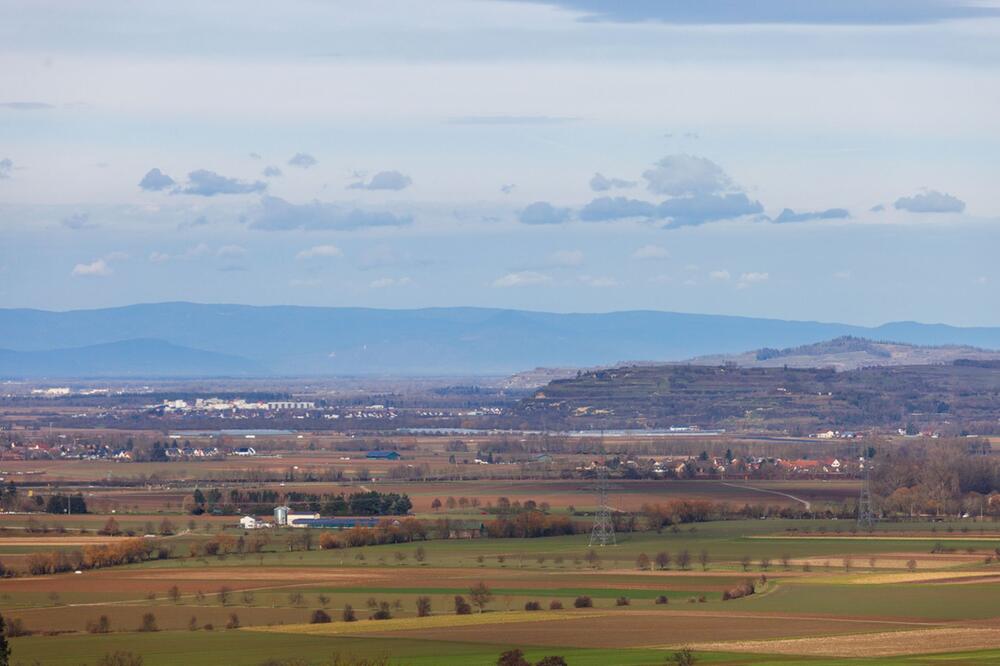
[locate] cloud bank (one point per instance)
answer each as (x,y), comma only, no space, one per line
(276,214)
(789,215)
(206,183)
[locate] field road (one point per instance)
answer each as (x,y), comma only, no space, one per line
(806,503)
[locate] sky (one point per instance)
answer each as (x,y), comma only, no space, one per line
(825,160)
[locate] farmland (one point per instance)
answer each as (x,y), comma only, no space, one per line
(273,595)
(721,546)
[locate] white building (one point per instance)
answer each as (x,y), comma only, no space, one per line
(250,523)
(290,404)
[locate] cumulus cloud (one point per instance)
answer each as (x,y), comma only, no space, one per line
(78,221)
(877,208)
(604,209)
(522,279)
(206,183)
(158,257)
(255,156)
(651,252)
(96,268)
(722,275)
(542,212)
(271,171)
(155,180)
(319,251)
(699,209)
(566,258)
(684,175)
(302,160)
(387,282)
(930,201)
(508,188)
(276,214)
(789,215)
(6,166)
(384,180)
(601,183)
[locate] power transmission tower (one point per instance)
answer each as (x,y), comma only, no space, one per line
(603,533)
(866,512)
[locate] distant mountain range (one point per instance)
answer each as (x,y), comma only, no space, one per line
(188,339)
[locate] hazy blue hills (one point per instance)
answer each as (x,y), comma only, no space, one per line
(127,358)
(174,339)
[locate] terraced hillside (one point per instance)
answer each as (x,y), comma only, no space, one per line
(963,395)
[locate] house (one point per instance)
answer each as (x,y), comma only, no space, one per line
(251,523)
(383,455)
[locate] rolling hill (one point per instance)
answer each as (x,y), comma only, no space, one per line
(850,353)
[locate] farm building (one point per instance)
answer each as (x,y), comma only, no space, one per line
(383,455)
(285,517)
(334,523)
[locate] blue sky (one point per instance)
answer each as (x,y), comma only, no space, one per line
(823,160)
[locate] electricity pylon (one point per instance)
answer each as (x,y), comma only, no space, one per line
(603,533)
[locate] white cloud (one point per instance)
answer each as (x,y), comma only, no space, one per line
(231,251)
(686,175)
(930,201)
(319,251)
(651,252)
(96,268)
(599,281)
(197,250)
(566,257)
(522,279)
(754,277)
(842,275)
(159,257)
(386,282)
(302,160)
(719,275)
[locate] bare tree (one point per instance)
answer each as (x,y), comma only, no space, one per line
(423,606)
(481,595)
